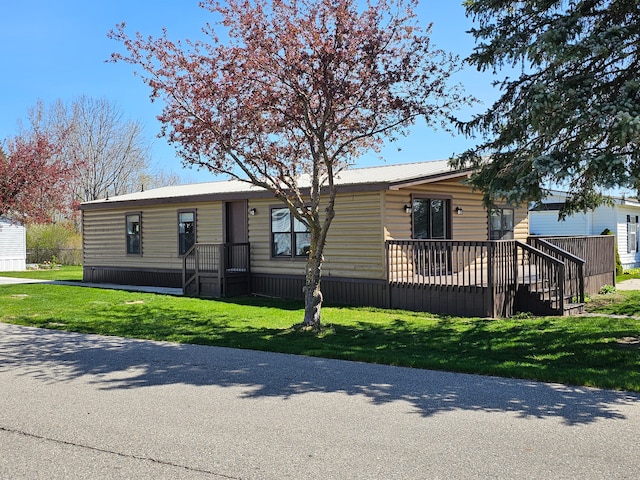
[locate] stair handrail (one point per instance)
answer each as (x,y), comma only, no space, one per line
(186,281)
(558,281)
(570,257)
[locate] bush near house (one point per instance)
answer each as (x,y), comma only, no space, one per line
(54,243)
(606,231)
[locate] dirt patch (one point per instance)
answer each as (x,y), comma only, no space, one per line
(629,342)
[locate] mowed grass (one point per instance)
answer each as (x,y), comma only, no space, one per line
(64,272)
(587,350)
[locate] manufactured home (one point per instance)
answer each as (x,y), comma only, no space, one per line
(13,246)
(412,236)
(622,219)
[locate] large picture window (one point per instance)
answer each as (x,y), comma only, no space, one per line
(289,236)
(134,234)
(186,231)
(501,224)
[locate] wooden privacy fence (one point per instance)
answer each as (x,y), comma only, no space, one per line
(597,251)
(64,256)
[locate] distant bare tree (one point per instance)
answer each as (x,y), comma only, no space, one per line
(110,152)
(159,178)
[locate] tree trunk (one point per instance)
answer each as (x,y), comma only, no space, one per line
(312,293)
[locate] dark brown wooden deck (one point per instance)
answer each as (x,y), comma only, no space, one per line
(545,275)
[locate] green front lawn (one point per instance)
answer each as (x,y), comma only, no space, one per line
(64,272)
(594,351)
(628,275)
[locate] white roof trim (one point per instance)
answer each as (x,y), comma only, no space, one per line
(393,176)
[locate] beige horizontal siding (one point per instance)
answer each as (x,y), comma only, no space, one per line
(104,241)
(521,228)
(355,244)
(472,225)
(103,238)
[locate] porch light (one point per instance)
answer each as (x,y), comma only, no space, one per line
(252,211)
(407,209)
(459,210)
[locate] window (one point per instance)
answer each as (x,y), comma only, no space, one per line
(501,224)
(632,233)
(133,234)
(186,231)
(431,218)
(289,236)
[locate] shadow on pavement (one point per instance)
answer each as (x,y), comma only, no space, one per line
(117,363)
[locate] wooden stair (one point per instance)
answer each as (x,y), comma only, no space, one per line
(545,301)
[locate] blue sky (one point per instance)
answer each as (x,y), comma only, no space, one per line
(57,50)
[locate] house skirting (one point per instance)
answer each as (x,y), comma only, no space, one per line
(129,276)
(340,291)
(476,301)
(451,300)
(345,291)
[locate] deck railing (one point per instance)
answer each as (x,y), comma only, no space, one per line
(431,262)
(543,277)
(573,266)
(502,268)
(450,262)
(214,260)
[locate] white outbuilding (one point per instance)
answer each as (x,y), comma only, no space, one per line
(622,219)
(13,246)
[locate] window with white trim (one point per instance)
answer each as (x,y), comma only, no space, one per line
(290,237)
(632,233)
(186,230)
(501,222)
(134,234)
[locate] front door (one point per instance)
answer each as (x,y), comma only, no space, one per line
(432,221)
(431,218)
(235,230)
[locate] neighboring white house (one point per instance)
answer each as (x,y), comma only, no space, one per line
(622,219)
(13,246)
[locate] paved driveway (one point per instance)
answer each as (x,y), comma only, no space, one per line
(86,406)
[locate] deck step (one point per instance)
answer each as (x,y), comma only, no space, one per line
(574,308)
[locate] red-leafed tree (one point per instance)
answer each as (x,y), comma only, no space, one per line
(296,92)
(34,180)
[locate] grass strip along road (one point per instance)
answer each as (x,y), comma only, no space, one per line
(600,351)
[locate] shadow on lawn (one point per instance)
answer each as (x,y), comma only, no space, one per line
(116,363)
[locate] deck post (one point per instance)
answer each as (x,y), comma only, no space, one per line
(387,299)
(223,251)
(561,288)
(490,278)
(184,274)
(197,269)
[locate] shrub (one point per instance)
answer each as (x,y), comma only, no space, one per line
(606,231)
(607,289)
(54,243)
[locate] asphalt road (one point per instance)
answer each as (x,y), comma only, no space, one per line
(86,406)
